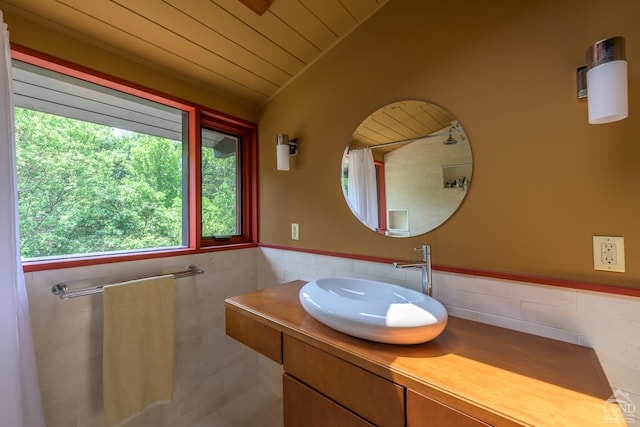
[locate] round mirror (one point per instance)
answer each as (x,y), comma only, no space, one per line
(407,168)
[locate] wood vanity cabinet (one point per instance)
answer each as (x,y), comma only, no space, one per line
(304,406)
(423,412)
(322,390)
(260,337)
(373,398)
(473,375)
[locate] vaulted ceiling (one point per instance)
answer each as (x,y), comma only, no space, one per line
(249,49)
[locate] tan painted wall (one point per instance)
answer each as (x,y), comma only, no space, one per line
(544,180)
(68,48)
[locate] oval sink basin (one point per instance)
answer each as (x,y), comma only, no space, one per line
(375,311)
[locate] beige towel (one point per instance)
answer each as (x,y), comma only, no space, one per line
(138,346)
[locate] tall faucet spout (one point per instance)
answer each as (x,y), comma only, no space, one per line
(425,264)
(426,270)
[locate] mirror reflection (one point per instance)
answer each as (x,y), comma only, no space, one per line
(407,168)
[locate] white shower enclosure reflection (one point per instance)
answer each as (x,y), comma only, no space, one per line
(362,193)
(418,180)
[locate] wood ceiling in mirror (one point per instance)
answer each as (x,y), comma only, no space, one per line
(399,121)
(221,44)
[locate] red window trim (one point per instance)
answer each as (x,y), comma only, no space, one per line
(249,176)
(382,197)
(197,115)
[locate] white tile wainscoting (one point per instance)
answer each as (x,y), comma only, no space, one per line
(212,371)
(219,382)
(608,323)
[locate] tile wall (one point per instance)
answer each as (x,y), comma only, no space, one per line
(211,369)
(608,323)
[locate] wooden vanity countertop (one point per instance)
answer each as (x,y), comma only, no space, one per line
(498,375)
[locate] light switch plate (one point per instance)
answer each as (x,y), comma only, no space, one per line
(608,253)
(295,232)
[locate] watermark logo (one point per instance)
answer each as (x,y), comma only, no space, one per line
(619,407)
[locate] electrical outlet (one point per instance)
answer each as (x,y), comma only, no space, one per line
(608,253)
(295,232)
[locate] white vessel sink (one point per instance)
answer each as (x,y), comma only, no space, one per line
(375,311)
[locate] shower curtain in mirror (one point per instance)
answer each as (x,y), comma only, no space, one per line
(20,402)
(362,190)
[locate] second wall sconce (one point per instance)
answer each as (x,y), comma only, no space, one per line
(603,81)
(284,149)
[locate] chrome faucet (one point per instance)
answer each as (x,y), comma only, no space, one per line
(425,264)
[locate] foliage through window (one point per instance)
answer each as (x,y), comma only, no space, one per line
(101,171)
(87,188)
(98,170)
(220,181)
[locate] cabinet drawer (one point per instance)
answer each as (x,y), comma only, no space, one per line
(254,334)
(304,406)
(425,412)
(375,399)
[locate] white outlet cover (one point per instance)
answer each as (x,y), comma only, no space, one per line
(598,261)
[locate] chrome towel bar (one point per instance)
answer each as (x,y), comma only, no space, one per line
(63,291)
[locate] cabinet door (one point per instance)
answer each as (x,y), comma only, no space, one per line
(372,397)
(425,412)
(303,406)
(250,332)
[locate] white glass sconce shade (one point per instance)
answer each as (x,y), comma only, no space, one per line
(282,152)
(607,88)
(607,81)
(285,148)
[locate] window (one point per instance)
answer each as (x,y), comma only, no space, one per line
(105,172)
(220,181)
(228,196)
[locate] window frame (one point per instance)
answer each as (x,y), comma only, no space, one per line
(248,177)
(198,117)
(382,197)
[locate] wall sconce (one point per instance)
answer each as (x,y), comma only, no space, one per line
(284,149)
(603,81)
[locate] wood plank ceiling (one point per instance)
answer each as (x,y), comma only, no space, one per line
(401,121)
(218,43)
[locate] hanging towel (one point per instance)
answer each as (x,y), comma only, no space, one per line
(138,346)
